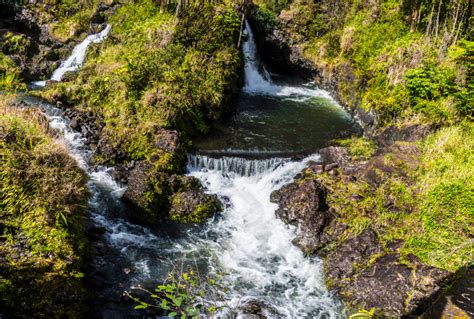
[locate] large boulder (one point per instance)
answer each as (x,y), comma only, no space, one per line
(304,204)
(193,206)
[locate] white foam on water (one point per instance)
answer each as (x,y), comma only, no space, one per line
(77,57)
(255,248)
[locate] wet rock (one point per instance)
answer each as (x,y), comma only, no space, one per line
(74,123)
(254,308)
(303,203)
(142,199)
(101,248)
(97,279)
(95,232)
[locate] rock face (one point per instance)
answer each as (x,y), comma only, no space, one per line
(26,37)
(286,54)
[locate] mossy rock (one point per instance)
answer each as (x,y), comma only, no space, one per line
(193,206)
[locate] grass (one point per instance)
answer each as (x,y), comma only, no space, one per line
(360,148)
(9,75)
(43,199)
(422,194)
(446,211)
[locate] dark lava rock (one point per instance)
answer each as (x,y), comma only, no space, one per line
(252,308)
(409,134)
(95,232)
(395,287)
(303,203)
(141,198)
(286,54)
(149,186)
(341,263)
(387,283)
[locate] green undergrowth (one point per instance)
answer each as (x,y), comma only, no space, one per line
(421,193)
(158,72)
(43,199)
(359,147)
(67,19)
(9,75)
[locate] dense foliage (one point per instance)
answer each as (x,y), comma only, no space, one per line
(394,51)
(183,295)
(42,205)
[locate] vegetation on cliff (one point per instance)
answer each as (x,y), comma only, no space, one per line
(405,60)
(157,80)
(411,64)
(43,200)
(408,64)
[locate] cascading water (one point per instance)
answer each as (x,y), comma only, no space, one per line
(254,247)
(258,80)
(77,57)
(246,241)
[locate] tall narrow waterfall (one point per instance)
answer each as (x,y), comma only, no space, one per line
(257,77)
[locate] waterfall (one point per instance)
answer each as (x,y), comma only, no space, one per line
(253,246)
(77,57)
(258,80)
(237,165)
(246,241)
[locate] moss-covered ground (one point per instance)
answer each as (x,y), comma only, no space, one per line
(43,199)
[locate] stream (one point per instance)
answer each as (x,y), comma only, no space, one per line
(242,160)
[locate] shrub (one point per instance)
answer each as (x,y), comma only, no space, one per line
(184,295)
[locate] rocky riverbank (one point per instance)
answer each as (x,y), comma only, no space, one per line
(371,207)
(43,196)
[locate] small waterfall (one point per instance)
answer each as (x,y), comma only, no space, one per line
(253,247)
(259,82)
(237,165)
(77,57)
(256,76)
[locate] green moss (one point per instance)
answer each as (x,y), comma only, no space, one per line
(43,199)
(157,72)
(15,43)
(424,197)
(193,212)
(360,148)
